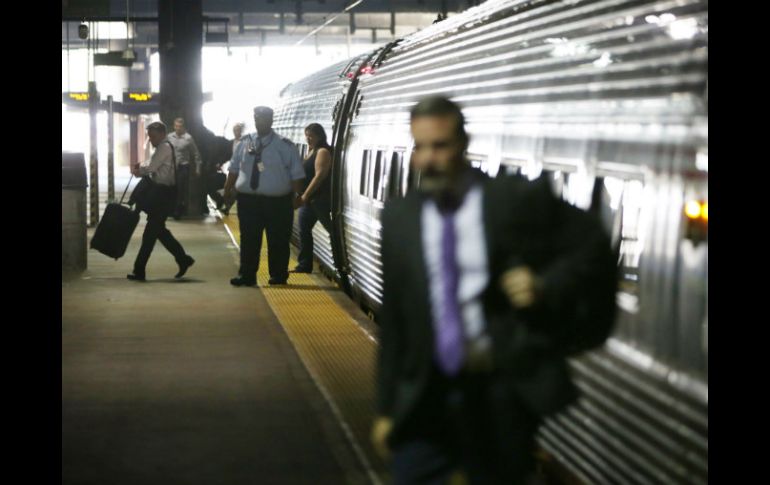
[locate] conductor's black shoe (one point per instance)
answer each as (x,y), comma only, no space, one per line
(275,281)
(300,269)
(241,281)
(184,264)
(136,277)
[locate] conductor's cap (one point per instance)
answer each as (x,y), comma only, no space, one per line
(263,111)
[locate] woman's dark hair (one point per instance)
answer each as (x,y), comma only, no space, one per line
(319,131)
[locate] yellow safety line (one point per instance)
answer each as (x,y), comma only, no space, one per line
(336,352)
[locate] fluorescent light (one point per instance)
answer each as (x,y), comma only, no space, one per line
(350,7)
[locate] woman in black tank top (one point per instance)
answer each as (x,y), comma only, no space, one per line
(316,200)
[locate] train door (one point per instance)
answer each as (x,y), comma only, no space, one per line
(342,116)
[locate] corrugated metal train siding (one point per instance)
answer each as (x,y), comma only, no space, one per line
(605,87)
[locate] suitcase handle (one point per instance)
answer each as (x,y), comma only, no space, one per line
(127,186)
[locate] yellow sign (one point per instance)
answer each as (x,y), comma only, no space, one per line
(79,96)
(140,96)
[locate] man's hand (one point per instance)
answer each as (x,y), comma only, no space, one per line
(299,201)
(521,286)
(380,431)
(135,169)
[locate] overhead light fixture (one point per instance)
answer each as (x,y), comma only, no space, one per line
(128,54)
(352,6)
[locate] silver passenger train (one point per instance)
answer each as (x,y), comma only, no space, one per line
(609,100)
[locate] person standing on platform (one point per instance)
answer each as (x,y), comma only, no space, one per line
(215,180)
(186,153)
(265,172)
(316,200)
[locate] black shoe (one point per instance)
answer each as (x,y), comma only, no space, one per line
(136,276)
(275,281)
(184,265)
(299,269)
(241,281)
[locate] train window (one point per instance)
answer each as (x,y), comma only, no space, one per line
(556,179)
(478,161)
(618,204)
(412,179)
(510,169)
(378,192)
(365,173)
(577,189)
(514,165)
(549,175)
(395,174)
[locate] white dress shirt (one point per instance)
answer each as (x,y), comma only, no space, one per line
(472,265)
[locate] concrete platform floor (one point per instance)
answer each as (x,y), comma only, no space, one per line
(190,381)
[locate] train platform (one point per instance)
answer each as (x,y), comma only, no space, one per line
(196,381)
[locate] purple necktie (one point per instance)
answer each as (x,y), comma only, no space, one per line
(449,332)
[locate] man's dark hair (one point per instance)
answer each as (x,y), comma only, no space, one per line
(181,120)
(157,126)
(440,106)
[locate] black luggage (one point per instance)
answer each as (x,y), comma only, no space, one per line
(115,229)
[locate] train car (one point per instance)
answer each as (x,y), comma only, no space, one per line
(608,99)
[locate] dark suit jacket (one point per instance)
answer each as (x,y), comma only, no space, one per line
(523,224)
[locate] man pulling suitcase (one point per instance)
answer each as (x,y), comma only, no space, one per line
(155,195)
(158,202)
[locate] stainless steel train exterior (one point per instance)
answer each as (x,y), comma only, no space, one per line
(609,100)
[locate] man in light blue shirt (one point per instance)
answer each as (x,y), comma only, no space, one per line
(266,173)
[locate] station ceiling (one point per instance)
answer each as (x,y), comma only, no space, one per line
(249,22)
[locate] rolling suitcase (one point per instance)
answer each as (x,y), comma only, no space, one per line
(115,229)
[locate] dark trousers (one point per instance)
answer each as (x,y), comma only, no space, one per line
(183,186)
(216,182)
(471,424)
(257,213)
(308,216)
(156,230)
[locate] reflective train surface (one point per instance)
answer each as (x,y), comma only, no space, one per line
(608,99)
